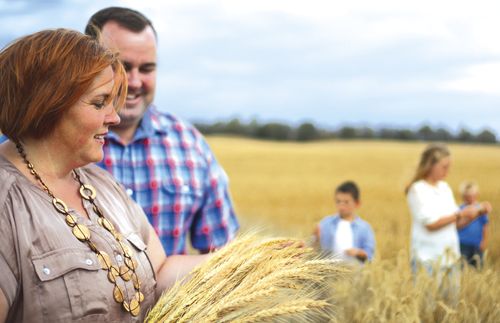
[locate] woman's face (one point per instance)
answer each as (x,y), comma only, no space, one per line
(83,127)
(440,170)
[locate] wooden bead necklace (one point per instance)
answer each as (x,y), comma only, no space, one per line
(127,271)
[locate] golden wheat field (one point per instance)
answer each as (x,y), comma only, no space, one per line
(284,189)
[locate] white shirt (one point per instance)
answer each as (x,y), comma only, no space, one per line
(343,239)
(428,203)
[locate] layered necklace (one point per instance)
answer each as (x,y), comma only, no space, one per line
(126,271)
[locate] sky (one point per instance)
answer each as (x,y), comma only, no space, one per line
(385,63)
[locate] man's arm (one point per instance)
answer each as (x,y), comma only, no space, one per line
(215,223)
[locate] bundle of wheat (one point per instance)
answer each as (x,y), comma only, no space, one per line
(251,280)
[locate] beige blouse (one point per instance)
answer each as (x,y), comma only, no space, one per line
(47,275)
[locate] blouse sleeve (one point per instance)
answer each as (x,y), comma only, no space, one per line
(8,256)
(421,207)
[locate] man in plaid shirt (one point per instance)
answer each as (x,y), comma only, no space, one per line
(164,163)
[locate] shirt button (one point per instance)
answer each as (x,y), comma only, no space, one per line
(119,258)
(185,189)
(46,271)
(89,261)
(129,191)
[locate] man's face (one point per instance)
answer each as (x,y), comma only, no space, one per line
(138,53)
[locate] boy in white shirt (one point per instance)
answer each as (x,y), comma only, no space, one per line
(345,234)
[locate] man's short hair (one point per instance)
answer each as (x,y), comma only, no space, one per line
(128,18)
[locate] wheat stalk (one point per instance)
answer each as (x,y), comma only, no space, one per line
(287,309)
(252,278)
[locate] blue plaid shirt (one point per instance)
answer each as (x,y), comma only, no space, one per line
(169,169)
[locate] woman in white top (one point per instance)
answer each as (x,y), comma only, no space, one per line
(435,215)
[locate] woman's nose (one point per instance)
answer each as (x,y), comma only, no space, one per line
(112,118)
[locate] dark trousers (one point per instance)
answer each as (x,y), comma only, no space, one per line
(472,255)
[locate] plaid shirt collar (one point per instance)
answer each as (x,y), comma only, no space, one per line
(149,125)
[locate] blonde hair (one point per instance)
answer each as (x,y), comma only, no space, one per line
(468,187)
(432,154)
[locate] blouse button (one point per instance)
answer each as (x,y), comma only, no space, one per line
(119,258)
(89,261)
(46,271)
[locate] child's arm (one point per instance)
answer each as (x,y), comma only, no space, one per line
(358,253)
(367,248)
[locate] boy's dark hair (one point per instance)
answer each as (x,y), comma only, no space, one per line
(349,187)
(128,18)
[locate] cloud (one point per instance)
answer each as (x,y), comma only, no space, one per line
(376,62)
(479,78)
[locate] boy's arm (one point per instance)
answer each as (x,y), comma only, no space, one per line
(358,253)
(367,248)
(369,243)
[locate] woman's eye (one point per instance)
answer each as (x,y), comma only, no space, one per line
(99,105)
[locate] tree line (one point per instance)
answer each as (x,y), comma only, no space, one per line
(307,131)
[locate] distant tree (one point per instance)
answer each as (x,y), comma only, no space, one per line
(327,134)
(347,132)
(386,133)
(203,128)
(425,133)
(252,128)
(219,127)
(465,135)
(404,134)
(442,134)
(274,131)
(366,133)
(235,127)
(306,132)
(486,136)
